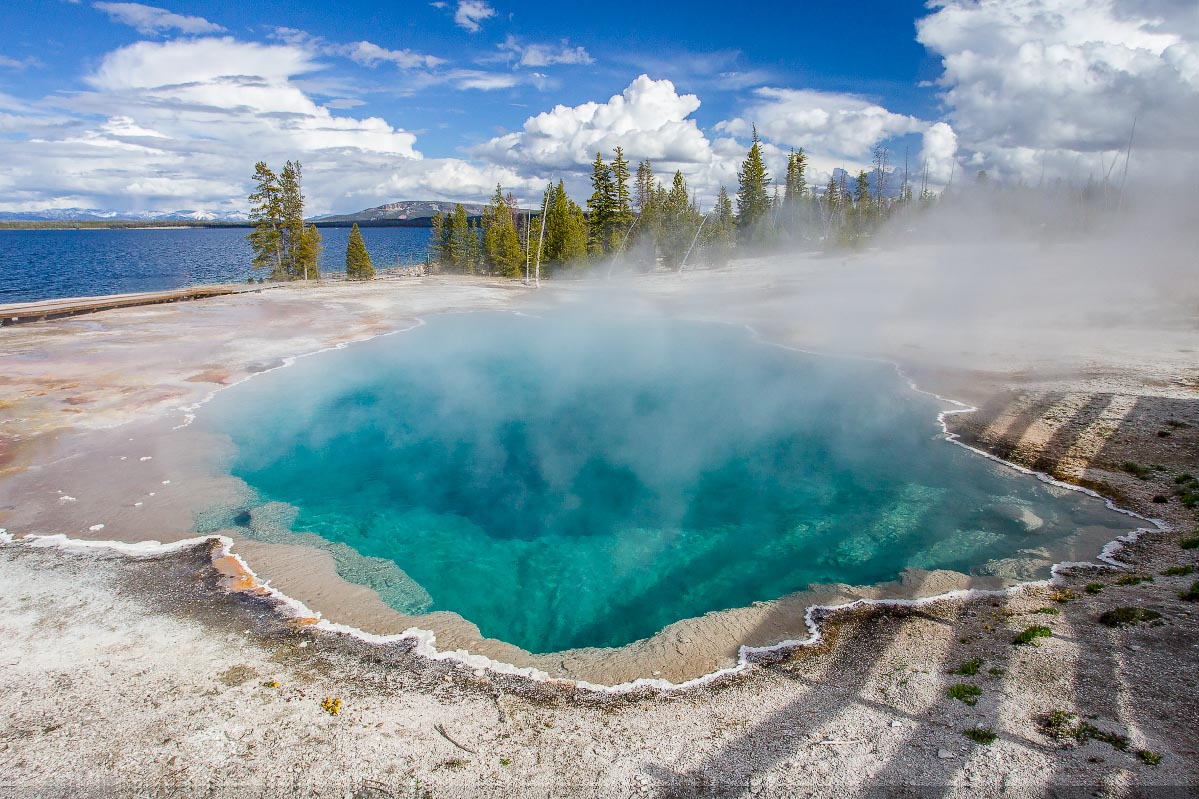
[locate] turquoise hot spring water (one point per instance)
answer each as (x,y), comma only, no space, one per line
(578,481)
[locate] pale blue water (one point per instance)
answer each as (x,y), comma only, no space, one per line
(581,482)
(48,264)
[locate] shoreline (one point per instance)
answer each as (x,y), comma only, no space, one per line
(730,638)
(826,709)
(242,576)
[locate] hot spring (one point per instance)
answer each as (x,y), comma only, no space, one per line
(568,482)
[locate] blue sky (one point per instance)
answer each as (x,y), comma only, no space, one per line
(137,106)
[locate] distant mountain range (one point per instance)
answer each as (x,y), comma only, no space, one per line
(94,215)
(408,213)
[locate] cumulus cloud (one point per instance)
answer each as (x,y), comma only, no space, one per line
(939,146)
(150,20)
(1054,85)
(470,13)
(544,55)
(181,123)
(649,119)
(829,123)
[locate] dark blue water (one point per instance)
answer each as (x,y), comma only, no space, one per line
(585,482)
(48,264)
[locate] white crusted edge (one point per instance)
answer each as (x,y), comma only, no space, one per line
(425,640)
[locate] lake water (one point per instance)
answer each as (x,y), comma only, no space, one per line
(49,264)
(584,482)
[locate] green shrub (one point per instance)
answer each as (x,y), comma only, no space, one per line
(1060,725)
(1030,635)
(1093,588)
(1193,594)
(1048,611)
(1178,571)
(981,735)
(1149,758)
(1119,617)
(1134,579)
(1136,470)
(1190,542)
(997,671)
(964,692)
(970,666)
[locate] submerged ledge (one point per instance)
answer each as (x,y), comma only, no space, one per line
(238,577)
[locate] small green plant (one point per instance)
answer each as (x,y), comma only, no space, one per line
(504,761)
(1178,571)
(1149,758)
(1060,725)
(1134,579)
(1048,611)
(1136,470)
(964,692)
(1064,595)
(997,671)
(981,735)
(1120,617)
(970,667)
(1191,595)
(1190,542)
(1093,588)
(455,763)
(1032,634)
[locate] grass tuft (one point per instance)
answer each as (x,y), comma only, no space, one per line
(1191,595)
(997,671)
(970,667)
(964,692)
(1048,611)
(1061,725)
(1149,758)
(1134,579)
(981,735)
(1093,588)
(1120,617)
(1190,542)
(1030,635)
(1136,470)
(1178,571)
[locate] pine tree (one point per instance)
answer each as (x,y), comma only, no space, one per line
(310,253)
(439,248)
(601,207)
(795,200)
(358,260)
(720,231)
(266,215)
(622,212)
(501,244)
(291,200)
(681,221)
(643,192)
(474,250)
(458,249)
(753,198)
(566,231)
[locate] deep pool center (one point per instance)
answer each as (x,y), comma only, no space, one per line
(576,481)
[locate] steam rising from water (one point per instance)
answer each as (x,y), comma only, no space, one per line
(567,482)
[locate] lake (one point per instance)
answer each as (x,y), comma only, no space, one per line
(50,264)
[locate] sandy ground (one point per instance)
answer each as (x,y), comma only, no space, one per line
(135,676)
